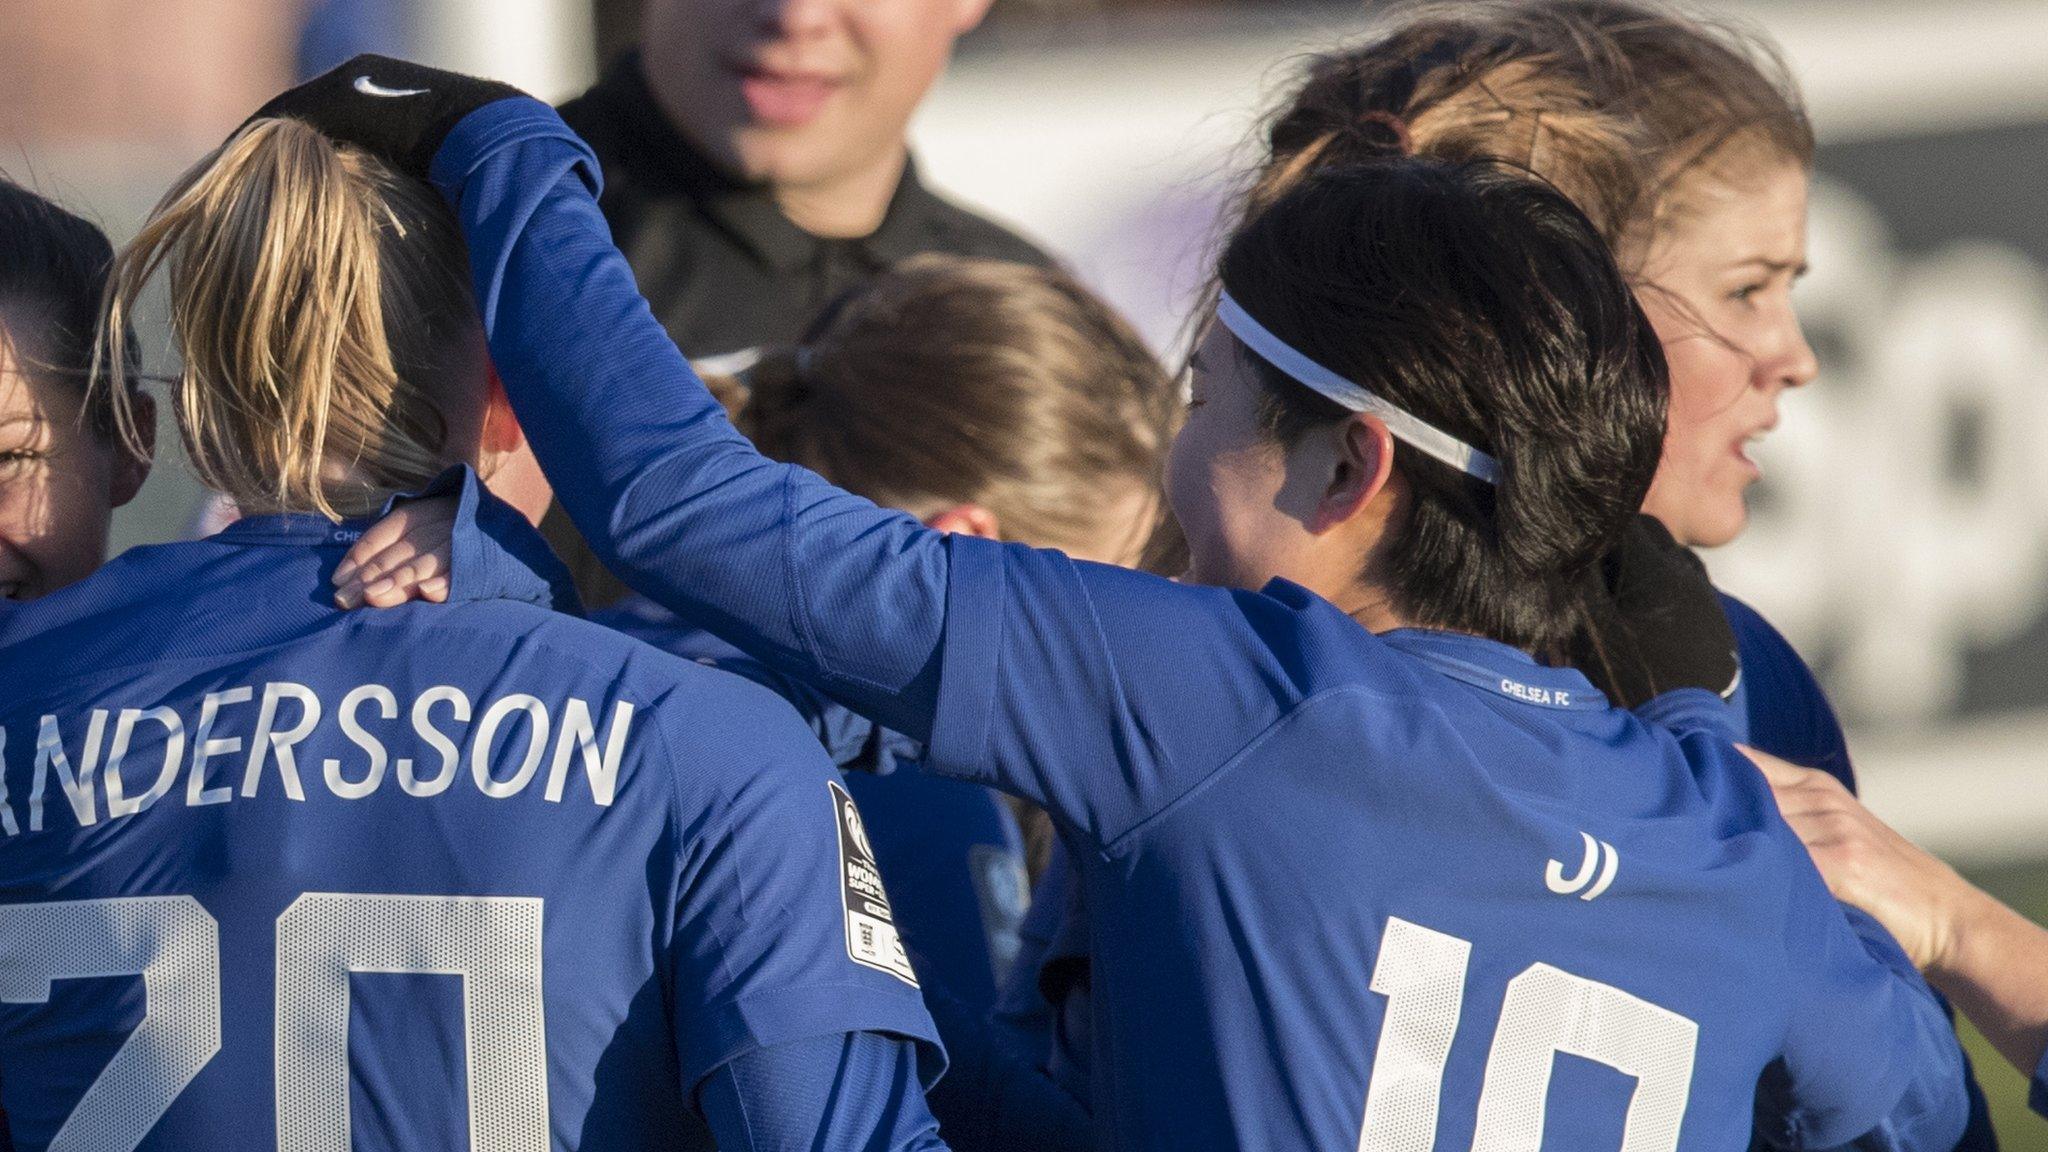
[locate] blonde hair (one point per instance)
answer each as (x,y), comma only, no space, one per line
(948,380)
(321,308)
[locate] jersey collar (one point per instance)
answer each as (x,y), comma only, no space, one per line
(497,555)
(1500,669)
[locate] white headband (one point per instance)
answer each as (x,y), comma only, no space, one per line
(1409,430)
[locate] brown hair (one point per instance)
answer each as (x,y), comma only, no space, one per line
(948,380)
(53,272)
(321,307)
(1611,101)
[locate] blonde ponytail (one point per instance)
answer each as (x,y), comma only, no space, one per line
(321,309)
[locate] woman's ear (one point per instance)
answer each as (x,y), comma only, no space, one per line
(968,520)
(501,431)
(131,469)
(1361,464)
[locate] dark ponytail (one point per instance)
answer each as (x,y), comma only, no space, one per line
(1486,304)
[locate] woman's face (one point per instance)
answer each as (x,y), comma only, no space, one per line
(1246,505)
(59,482)
(1718,287)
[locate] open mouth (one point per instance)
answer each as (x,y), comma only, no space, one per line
(785,99)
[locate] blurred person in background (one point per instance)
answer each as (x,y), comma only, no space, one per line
(996,400)
(1687,144)
(1986,957)
(63,470)
(756,166)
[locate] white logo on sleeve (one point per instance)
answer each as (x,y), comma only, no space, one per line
(1600,859)
(369,87)
(871,934)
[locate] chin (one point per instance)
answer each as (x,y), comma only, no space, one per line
(790,157)
(1716,525)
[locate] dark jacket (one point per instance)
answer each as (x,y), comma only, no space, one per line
(723,268)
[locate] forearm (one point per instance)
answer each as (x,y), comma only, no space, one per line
(812,581)
(858,1092)
(1995,971)
(1870,1059)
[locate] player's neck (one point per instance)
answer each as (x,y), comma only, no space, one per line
(1373,608)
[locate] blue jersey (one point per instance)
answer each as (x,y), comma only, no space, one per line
(950,852)
(953,859)
(476,874)
(1780,705)
(1346,890)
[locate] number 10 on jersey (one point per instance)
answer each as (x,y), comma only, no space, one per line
(1421,972)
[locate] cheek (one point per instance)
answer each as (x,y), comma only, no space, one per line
(58,518)
(1708,382)
(1226,501)
(901,49)
(1187,483)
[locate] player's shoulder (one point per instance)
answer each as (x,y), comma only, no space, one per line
(1754,634)
(135,602)
(628,658)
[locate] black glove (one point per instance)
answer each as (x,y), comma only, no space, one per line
(1654,622)
(396,110)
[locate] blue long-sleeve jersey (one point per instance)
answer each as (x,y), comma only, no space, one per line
(1349,890)
(475,874)
(1778,706)
(950,851)
(953,860)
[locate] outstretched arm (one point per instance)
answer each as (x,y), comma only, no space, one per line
(792,570)
(1988,959)
(1032,672)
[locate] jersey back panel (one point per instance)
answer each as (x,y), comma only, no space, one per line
(475,875)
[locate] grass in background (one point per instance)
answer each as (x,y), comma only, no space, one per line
(2025,887)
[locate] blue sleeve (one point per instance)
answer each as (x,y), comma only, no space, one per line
(1099,694)
(850,739)
(763,942)
(1901,1085)
(857,1091)
(996,1096)
(1686,710)
(1785,710)
(953,859)
(1048,1003)
(1020,1003)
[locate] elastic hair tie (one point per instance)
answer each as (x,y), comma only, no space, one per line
(1392,123)
(1423,437)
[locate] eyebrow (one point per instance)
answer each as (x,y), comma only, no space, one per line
(1795,267)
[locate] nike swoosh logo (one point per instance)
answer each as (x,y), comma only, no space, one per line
(369,87)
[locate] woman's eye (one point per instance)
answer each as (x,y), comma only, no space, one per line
(1744,294)
(14,458)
